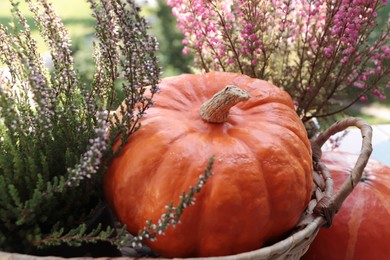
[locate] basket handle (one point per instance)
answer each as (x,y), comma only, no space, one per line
(329,205)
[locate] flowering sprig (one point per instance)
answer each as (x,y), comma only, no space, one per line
(91,160)
(59,44)
(127,46)
(170,217)
(318,51)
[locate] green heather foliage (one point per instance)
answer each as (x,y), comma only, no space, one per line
(54,143)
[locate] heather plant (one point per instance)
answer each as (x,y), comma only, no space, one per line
(322,52)
(56,132)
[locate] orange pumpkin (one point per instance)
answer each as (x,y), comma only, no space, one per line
(361,229)
(262,171)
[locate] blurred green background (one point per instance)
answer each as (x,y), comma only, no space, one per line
(77,18)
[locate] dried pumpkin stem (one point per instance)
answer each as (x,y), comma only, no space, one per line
(216,109)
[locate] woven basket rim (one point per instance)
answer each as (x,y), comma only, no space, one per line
(280,247)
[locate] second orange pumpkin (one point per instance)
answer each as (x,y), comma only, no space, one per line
(361,229)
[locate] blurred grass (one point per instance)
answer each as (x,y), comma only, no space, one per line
(371,119)
(75,14)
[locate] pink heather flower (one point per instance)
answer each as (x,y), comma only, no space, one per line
(379,94)
(249,27)
(386,51)
(252,37)
(261,39)
(344,60)
(230,61)
(328,52)
(186,51)
(349,51)
(199,44)
(358,59)
(359,84)
(350,17)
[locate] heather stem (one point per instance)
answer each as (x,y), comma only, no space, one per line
(216,109)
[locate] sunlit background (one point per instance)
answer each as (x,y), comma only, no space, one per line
(77,18)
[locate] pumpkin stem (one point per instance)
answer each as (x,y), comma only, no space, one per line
(216,109)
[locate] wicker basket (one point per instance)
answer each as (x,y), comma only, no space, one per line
(319,213)
(324,204)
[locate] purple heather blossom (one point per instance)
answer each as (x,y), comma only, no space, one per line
(292,43)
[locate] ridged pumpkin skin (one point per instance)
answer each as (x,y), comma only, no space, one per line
(262,172)
(361,229)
